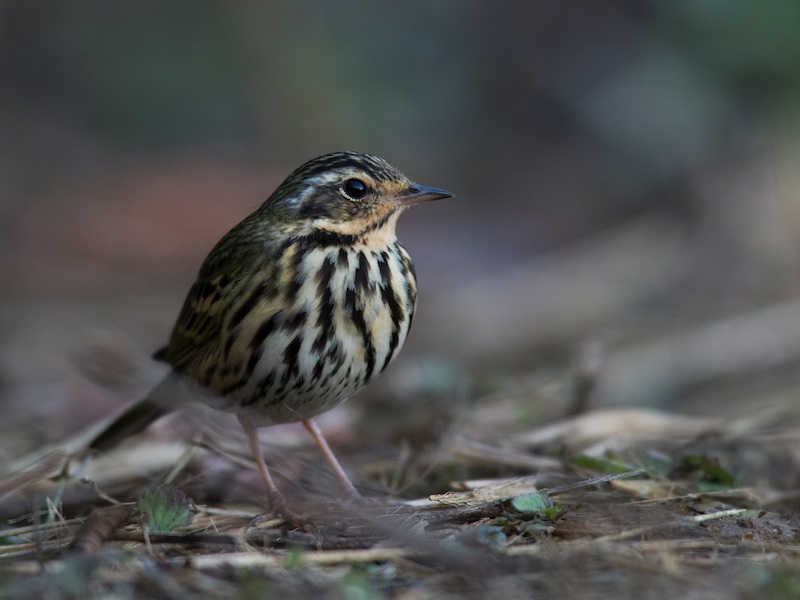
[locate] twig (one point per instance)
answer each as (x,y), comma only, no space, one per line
(99,527)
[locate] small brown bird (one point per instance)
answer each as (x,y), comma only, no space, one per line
(298,306)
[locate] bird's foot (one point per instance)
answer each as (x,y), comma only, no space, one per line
(279,509)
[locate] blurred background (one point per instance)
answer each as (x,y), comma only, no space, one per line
(625,231)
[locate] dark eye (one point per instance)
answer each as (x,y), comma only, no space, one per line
(355,189)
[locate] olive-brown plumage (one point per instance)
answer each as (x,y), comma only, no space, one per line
(300,305)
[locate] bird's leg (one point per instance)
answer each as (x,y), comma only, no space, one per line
(277,501)
(349,489)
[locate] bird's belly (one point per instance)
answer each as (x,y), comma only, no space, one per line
(318,379)
(326,347)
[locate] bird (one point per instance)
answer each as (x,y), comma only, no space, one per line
(296,308)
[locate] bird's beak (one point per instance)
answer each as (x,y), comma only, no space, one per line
(415,193)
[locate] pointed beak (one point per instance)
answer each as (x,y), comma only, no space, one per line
(415,193)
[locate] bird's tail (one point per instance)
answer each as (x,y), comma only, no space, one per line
(133,420)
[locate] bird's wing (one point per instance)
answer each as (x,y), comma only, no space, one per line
(197,331)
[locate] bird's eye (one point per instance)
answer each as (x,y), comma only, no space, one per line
(354,189)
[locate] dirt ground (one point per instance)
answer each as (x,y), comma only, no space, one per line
(609,503)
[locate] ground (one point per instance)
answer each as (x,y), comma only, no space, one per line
(610,503)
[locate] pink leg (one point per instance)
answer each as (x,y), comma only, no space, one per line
(347,486)
(277,501)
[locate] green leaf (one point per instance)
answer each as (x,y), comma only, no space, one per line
(294,557)
(601,465)
(163,507)
(534,503)
(711,468)
(356,584)
(554,511)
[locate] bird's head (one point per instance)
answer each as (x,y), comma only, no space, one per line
(348,194)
